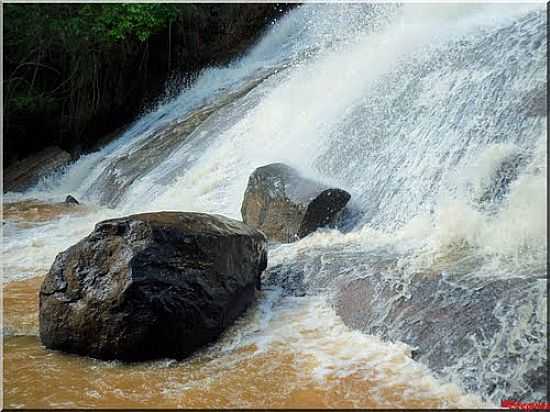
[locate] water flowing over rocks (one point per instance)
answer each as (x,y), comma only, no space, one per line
(454,326)
(151,285)
(117,178)
(505,173)
(441,255)
(288,279)
(286,206)
(25,173)
(486,332)
(535,102)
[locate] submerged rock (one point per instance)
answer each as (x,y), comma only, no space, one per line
(71,200)
(287,206)
(151,285)
(289,280)
(487,332)
(471,331)
(535,102)
(27,172)
(116,179)
(506,172)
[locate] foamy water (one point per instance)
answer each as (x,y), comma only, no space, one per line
(413,109)
(283,353)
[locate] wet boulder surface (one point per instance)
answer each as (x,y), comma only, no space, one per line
(287,206)
(487,332)
(482,333)
(151,285)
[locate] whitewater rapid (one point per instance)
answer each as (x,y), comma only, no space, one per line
(412,109)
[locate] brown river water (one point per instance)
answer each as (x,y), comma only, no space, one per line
(283,353)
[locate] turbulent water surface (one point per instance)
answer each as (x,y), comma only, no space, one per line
(432,116)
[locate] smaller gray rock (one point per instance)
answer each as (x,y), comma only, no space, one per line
(71,200)
(287,206)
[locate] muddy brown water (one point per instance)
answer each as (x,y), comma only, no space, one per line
(300,356)
(281,377)
(32,211)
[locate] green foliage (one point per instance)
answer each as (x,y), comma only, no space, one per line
(74,71)
(32,103)
(58,55)
(113,23)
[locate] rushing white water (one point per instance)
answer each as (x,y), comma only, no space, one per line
(413,109)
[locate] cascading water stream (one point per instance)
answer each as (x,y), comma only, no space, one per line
(413,109)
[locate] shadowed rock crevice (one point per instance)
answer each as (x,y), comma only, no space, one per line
(26,173)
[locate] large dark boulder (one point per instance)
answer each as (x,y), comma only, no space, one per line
(25,173)
(151,285)
(287,206)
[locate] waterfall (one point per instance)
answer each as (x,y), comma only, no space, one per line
(432,116)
